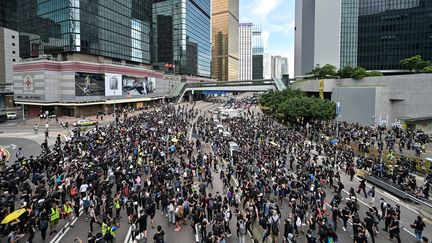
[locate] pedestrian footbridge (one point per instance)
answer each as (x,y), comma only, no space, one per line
(222,87)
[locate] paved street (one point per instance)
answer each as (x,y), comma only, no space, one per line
(31,145)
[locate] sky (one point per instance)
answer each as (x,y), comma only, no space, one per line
(276,18)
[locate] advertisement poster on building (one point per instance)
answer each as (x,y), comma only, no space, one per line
(138,86)
(113,84)
(89,84)
(28,84)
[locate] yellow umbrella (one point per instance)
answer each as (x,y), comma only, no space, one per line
(174,140)
(14,215)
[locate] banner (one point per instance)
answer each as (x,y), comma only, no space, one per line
(133,86)
(89,84)
(113,84)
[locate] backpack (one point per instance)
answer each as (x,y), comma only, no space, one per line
(274,226)
(242,228)
(330,240)
(181,211)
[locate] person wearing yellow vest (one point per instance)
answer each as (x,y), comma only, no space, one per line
(67,212)
(113,231)
(105,228)
(117,205)
(54,218)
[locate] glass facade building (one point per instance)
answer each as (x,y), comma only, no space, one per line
(181,36)
(8,14)
(257,53)
(377,34)
(349,26)
(118,29)
(225,37)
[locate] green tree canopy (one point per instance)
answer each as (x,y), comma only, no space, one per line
(295,105)
(346,72)
(427,69)
(415,63)
(322,72)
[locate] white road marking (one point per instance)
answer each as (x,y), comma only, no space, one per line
(61,234)
(128,238)
(409,232)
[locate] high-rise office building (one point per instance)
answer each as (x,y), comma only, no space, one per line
(181,36)
(257,53)
(225,32)
(8,14)
(115,30)
(317,34)
(267,66)
(245,51)
(284,66)
(389,31)
(372,34)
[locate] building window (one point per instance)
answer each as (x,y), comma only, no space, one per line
(13,60)
(13,37)
(13,44)
(13,52)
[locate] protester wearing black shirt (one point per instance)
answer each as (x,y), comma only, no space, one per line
(394,229)
(159,236)
(418,227)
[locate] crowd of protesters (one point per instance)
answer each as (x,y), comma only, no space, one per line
(138,166)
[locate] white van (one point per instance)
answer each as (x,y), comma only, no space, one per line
(233,146)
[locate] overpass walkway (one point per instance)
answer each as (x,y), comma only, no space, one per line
(227,86)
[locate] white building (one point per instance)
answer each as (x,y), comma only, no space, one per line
(245,51)
(279,67)
(267,66)
(317,34)
(9,53)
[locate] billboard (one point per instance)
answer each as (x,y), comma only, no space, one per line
(138,86)
(113,84)
(89,84)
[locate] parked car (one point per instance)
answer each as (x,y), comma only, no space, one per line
(84,122)
(11,115)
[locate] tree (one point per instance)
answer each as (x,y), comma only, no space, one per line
(360,73)
(322,72)
(346,72)
(295,105)
(375,74)
(427,69)
(415,63)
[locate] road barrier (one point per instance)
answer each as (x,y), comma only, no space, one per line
(427,204)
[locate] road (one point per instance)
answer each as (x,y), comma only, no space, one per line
(31,145)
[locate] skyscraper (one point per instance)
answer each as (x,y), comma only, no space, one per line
(267,66)
(257,53)
(375,35)
(181,36)
(245,51)
(225,37)
(8,14)
(317,34)
(111,30)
